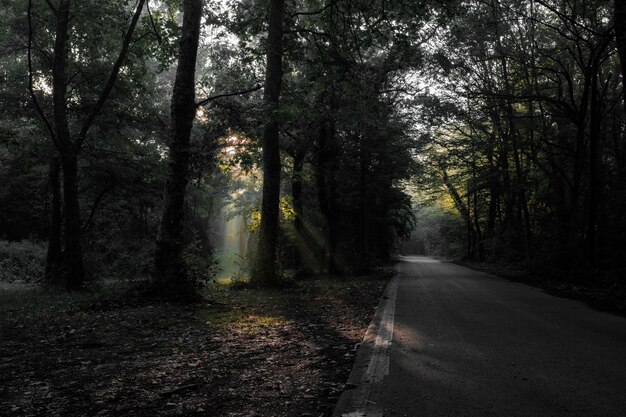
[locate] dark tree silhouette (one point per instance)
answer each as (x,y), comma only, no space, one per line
(170,278)
(68,145)
(264,270)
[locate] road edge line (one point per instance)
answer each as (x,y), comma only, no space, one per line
(372,361)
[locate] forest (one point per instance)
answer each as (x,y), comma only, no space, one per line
(263,163)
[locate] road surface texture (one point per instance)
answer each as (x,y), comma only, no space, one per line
(450,341)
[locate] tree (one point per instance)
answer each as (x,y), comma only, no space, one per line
(67,143)
(619,23)
(170,278)
(529,102)
(264,271)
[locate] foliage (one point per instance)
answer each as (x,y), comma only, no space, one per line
(439,233)
(202,267)
(507,113)
(22,261)
(287,215)
(526,99)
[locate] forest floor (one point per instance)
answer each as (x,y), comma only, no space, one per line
(240,353)
(602,290)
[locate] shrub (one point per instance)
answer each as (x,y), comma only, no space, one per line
(120,260)
(23,261)
(201,264)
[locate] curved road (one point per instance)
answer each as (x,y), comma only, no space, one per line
(450,341)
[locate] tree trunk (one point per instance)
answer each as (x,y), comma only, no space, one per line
(595,194)
(480,247)
(326,190)
(464,210)
(619,19)
(520,175)
(169,277)
(364,254)
(298,224)
(264,270)
(72,268)
(243,236)
(494,188)
(54,255)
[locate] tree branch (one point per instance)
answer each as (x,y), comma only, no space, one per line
(154,28)
(31,90)
(50,5)
(303,30)
(237,93)
(95,205)
(320,11)
(112,77)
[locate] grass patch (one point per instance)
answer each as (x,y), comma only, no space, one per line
(19,302)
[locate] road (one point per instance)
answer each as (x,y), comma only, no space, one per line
(450,341)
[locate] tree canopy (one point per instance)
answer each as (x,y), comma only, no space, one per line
(331,128)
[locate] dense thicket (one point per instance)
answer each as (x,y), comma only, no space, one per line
(105,122)
(85,90)
(529,132)
(344,139)
(509,113)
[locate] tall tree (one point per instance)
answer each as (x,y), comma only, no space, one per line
(69,144)
(619,21)
(538,85)
(170,278)
(264,270)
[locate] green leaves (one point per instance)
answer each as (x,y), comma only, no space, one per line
(166,28)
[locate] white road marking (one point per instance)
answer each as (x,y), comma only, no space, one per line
(364,414)
(378,366)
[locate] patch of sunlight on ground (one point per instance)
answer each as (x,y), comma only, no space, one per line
(237,320)
(252,323)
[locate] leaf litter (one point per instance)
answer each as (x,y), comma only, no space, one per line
(270,353)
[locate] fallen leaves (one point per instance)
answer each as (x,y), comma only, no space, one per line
(247,353)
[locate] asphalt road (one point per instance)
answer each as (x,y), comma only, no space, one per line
(465,343)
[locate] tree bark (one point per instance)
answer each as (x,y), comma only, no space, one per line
(264,271)
(296,194)
(464,210)
(479,246)
(494,188)
(619,19)
(595,184)
(169,277)
(326,189)
(54,254)
(72,270)
(364,250)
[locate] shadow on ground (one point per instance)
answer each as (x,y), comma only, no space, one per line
(243,353)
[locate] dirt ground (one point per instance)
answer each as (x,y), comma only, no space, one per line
(241,353)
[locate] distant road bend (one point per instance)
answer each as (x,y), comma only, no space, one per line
(450,341)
